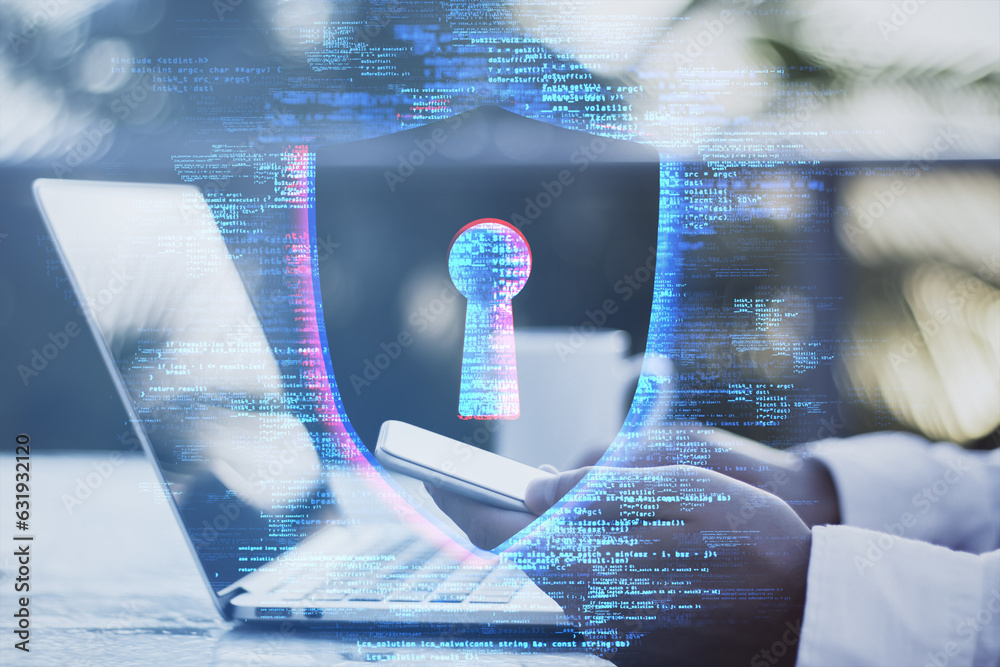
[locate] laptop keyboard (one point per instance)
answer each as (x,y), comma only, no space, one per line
(405,570)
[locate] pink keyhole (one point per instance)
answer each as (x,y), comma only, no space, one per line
(489,262)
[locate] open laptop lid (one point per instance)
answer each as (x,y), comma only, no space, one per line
(209,386)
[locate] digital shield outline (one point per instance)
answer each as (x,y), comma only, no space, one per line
(387,209)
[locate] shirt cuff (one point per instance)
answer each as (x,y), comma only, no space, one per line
(876,599)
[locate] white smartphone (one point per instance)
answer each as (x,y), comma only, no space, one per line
(455,466)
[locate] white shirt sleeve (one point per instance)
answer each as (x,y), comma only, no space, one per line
(901,484)
(875,599)
(879,592)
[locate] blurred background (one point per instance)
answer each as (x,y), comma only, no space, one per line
(832,173)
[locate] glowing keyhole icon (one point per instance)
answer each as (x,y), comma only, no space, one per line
(489,262)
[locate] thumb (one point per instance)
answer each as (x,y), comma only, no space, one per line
(542,494)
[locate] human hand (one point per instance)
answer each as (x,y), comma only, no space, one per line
(802,482)
(657,565)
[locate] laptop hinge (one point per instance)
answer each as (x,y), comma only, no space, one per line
(226,595)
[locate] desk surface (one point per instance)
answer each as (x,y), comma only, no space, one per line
(112,582)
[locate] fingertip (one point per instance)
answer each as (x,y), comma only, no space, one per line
(542,494)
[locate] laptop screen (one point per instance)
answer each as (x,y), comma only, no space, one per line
(217,363)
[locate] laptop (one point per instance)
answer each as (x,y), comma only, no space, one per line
(211,331)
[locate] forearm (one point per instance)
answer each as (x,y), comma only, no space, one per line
(805,483)
(802,482)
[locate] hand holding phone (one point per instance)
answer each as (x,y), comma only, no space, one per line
(455,466)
